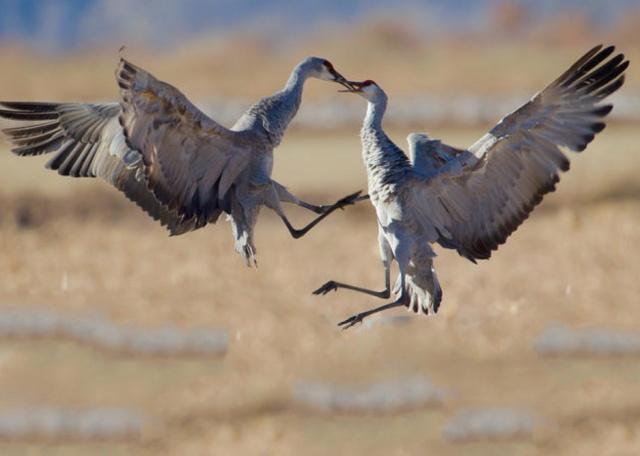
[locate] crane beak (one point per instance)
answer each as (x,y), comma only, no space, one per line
(352,87)
(337,77)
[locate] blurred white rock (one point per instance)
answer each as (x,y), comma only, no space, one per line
(380,397)
(97,331)
(70,424)
(558,340)
(491,424)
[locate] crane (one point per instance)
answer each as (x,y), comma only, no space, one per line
(177,164)
(472,199)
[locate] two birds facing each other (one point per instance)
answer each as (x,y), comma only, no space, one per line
(184,169)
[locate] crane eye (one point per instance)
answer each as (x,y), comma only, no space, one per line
(328,65)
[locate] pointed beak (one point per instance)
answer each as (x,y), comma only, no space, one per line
(337,77)
(352,87)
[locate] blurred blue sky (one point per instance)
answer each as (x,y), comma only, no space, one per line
(63,24)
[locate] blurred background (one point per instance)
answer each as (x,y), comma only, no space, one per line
(452,69)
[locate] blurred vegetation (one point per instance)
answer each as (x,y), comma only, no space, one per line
(515,52)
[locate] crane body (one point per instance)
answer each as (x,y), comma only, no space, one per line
(180,166)
(471,200)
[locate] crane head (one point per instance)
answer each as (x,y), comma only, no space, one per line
(323,69)
(367,89)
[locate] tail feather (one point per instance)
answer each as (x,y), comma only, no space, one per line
(422,288)
(242,228)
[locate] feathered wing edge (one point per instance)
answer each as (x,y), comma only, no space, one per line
(519,161)
(75,131)
(87,142)
(191,163)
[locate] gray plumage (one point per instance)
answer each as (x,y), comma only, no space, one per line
(180,166)
(472,200)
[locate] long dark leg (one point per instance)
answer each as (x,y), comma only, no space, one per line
(298,233)
(322,209)
(312,207)
(359,318)
(332,285)
(386,254)
(401,301)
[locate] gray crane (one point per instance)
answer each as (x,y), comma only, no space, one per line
(472,200)
(181,167)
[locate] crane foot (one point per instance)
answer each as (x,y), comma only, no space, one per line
(326,288)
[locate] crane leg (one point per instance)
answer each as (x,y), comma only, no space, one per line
(350,199)
(386,254)
(285,196)
(332,285)
(359,317)
(298,233)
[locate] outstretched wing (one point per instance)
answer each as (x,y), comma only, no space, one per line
(519,160)
(88,142)
(190,161)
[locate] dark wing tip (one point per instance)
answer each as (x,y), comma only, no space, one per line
(590,68)
(596,48)
(597,127)
(624,65)
(602,111)
(125,74)
(28,110)
(30,106)
(23,114)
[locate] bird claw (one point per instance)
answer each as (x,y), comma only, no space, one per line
(352,321)
(326,288)
(340,204)
(347,200)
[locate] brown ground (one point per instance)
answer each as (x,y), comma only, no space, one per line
(575,262)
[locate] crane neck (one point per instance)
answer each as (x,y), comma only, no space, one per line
(386,164)
(376,108)
(296,81)
(275,113)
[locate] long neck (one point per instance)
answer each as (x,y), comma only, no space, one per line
(296,80)
(385,162)
(277,111)
(375,113)
(292,90)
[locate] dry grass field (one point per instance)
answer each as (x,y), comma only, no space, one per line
(247,66)
(77,247)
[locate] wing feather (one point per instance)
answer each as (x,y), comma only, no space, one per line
(190,161)
(519,160)
(87,141)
